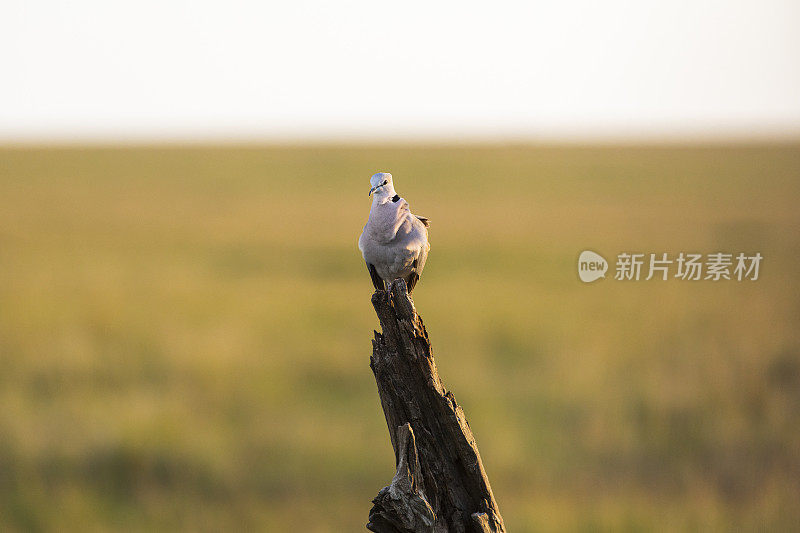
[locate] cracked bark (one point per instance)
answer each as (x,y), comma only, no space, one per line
(440,485)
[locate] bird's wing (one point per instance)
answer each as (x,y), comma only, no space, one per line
(424,220)
(377,282)
(401,211)
(417,243)
(413,239)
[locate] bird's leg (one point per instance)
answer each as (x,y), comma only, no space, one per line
(377,282)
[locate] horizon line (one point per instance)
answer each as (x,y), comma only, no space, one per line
(675,137)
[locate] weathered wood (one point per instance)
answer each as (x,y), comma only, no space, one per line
(440,485)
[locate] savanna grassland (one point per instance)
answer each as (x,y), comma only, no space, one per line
(185,335)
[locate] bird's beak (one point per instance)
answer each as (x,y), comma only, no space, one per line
(372,190)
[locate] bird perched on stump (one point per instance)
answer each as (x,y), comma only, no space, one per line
(394,242)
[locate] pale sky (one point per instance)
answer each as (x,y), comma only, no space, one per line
(139,70)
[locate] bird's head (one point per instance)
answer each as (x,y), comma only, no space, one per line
(381,184)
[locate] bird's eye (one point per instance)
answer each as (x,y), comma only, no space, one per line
(385,182)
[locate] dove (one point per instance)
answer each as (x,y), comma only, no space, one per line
(394,242)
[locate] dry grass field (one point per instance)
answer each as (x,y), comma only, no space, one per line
(185,335)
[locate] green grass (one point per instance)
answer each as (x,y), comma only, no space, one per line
(185,335)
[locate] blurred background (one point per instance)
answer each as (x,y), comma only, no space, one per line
(185,320)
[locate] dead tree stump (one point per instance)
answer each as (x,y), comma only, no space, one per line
(440,485)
